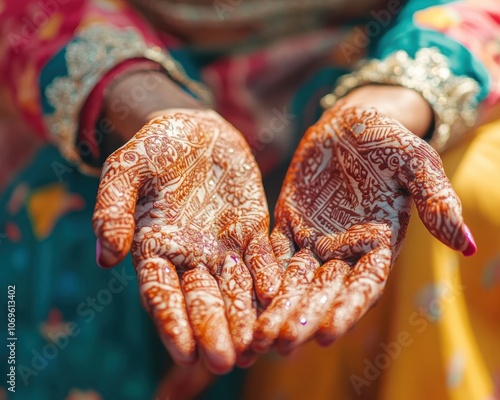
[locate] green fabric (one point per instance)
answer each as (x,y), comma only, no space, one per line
(117,352)
(108,348)
(404,34)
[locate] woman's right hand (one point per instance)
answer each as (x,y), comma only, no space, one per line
(185,195)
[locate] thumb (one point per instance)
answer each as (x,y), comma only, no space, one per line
(113,220)
(437,203)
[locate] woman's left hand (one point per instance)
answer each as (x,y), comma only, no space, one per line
(341,220)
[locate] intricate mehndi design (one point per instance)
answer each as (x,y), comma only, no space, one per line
(345,206)
(185,195)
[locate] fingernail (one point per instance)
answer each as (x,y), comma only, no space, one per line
(246,359)
(285,347)
(261,345)
(98,253)
(325,340)
(471,248)
(288,338)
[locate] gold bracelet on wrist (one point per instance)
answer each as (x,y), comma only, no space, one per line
(452,98)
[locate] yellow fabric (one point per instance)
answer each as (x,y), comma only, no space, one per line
(435,333)
(47,204)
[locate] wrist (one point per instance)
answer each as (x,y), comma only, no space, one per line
(133,100)
(405,105)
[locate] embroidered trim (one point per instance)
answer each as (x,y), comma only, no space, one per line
(93,53)
(453,98)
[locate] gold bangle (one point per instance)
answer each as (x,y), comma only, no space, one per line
(452,98)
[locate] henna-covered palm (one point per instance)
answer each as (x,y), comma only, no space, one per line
(341,219)
(185,195)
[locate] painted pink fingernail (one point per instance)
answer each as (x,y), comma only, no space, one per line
(98,252)
(472,248)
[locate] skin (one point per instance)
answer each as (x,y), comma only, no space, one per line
(185,195)
(404,105)
(196,219)
(342,216)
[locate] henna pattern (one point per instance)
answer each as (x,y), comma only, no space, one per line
(345,205)
(185,195)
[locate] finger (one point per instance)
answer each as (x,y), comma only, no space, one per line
(162,297)
(207,315)
(260,260)
(354,242)
(437,203)
(184,382)
(235,284)
(282,243)
(363,287)
(303,233)
(113,219)
(298,275)
(328,281)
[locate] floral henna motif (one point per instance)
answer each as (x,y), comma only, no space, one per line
(347,199)
(185,195)
(300,273)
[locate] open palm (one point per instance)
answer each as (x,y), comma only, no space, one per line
(185,195)
(341,219)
